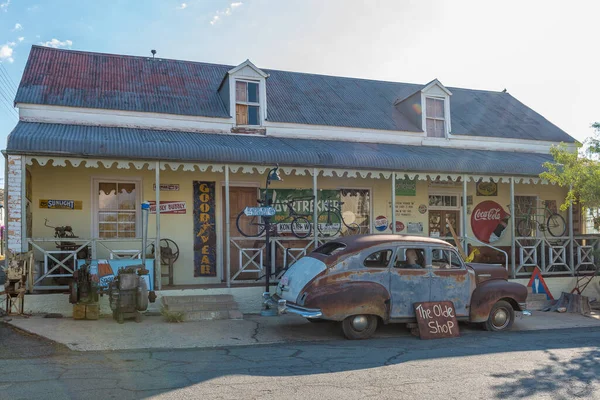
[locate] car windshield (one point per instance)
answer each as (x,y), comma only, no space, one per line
(330,248)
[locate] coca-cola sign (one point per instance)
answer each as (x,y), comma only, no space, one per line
(489,221)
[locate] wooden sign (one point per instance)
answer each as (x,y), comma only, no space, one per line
(61,204)
(168,207)
(167,187)
(436,319)
(205,235)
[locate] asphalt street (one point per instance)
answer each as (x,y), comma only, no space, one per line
(560,364)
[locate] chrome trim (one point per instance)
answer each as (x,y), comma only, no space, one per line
(283,307)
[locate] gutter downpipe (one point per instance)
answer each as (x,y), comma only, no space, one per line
(394,202)
(513,247)
(464,215)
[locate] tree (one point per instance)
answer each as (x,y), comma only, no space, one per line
(578,170)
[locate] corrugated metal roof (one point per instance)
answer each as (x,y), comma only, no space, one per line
(117,82)
(144,144)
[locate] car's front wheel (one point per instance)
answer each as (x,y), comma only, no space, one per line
(501,317)
(358,327)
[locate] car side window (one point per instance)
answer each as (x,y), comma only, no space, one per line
(410,258)
(379,259)
(445,259)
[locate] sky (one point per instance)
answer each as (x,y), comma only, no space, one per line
(544,53)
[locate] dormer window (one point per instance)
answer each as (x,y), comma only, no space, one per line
(434,117)
(247,105)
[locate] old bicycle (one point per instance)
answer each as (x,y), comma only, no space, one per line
(299,225)
(330,221)
(528,220)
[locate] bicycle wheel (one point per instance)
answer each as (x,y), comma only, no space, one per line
(301,227)
(249,226)
(351,229)
(556,225)
(525,227)
(329,224)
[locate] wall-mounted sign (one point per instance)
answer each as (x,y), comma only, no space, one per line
(399,226)
(436,319)
(405,208)
(438,183)
(205,235)
(167,187)
(381,223)
(61,204)
(487,189)
(406,187)
(469,200)
(415,227)
(423,208)
(489,221)
(168,207)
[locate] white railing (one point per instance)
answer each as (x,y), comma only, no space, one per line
(56,261)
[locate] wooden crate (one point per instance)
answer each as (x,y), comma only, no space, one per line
(78,311)
(92,311)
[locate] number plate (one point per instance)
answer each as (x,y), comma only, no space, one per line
(285,281)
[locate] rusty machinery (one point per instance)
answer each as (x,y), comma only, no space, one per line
(169,253)
(15,285)
(82,251)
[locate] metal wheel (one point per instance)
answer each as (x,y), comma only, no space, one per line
(525,227)
(169,244)
(556,225)
(501,317)
(357,327)
(329,224)
(352,229)
(249,226)
(299,226)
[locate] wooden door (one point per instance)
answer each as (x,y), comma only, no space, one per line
(438,226)
(239,198)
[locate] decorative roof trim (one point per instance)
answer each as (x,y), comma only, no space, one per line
(436,82)
(248,63)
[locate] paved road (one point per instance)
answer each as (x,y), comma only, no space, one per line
(561,364)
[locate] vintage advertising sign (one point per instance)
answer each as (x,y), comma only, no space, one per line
(167,187)
(489,221)
(487,189)
(61,204)
(399,226)
(406,187)
(538,285)
(169,207)
(205,235)
(106,270)
(436,319)
(381,223)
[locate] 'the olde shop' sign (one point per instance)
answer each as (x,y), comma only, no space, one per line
(205,237)
(436,319)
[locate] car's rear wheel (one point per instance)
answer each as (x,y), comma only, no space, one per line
(501,317)
(357,327)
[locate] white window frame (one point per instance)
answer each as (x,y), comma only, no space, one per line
(95,228)
(443,100)
(451,208)
(248,103)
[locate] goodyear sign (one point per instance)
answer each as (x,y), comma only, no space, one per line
(61,204)
(205,236)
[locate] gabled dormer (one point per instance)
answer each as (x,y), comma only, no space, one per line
(429,109)
(244,94)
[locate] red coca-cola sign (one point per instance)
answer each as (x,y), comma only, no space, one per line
(489,221)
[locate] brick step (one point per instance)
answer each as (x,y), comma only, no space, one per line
(200,306)
(212,315)
(215,298)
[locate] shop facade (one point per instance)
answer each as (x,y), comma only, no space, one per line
(90,168)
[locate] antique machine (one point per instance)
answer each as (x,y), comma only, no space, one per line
(128,292)
(62,232)
(83,294)
(16,282)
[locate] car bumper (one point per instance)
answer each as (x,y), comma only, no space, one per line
(283,307)
(523,306)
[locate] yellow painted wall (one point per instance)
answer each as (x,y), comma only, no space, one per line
(69,183)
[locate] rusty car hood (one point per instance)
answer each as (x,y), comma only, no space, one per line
(485,272)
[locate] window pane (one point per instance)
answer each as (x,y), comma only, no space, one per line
(410,258)
(439,109)
(240,91)
(439,128)
(430,127)
(253,118)
(241,114)
(107,196)
(429,112)
(356,208)
(126,196)
(380,259)
(252,92)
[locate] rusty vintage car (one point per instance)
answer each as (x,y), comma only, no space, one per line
(365,280)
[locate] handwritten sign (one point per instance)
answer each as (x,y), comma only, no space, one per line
(436,319)
(61,204)
(168,207)
(205,236)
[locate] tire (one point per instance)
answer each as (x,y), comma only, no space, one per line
(353,332)
(246,224)
(501,318)
(525,227)
(296,228)
(556,225)
(329,224)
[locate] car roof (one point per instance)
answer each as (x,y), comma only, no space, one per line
(358,242)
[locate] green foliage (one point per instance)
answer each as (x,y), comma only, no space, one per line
(579,171)
(172,316)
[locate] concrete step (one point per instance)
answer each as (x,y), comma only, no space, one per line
(197,308)
(536,301)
